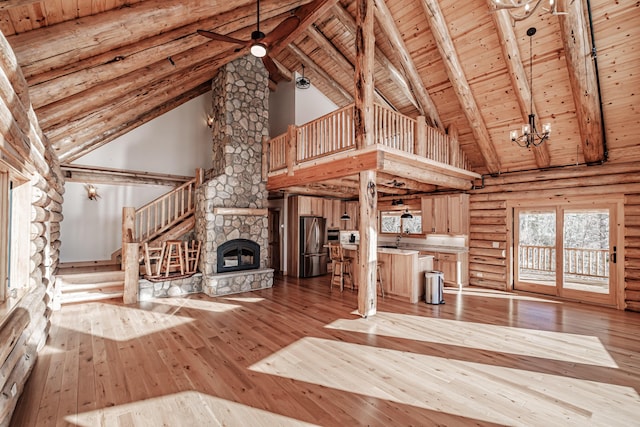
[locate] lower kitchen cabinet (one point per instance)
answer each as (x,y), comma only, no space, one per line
(454,266)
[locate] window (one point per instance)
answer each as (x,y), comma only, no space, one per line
(391,222)
(15,199)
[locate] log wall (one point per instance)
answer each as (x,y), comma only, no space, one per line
(490,231)
(24,327)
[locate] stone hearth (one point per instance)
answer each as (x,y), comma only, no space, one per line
(232,202)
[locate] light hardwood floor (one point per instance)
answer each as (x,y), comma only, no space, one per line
(298,355)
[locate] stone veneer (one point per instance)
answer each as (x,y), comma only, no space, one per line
(240,111)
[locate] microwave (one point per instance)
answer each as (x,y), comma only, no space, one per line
(333,235)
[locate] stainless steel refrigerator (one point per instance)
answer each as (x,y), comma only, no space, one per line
(313,254)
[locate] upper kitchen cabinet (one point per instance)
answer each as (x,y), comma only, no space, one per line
(446,214)
(332,213)
(313,206)
(353,210)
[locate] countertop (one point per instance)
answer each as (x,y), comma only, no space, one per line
(410,249)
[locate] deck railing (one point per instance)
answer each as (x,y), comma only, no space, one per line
(334,132)
(577,261)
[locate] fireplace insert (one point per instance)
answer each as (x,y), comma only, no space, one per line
(237,255)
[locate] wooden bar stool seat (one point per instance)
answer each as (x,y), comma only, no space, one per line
(174,258)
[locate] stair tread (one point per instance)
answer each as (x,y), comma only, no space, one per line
(90,296)
(98,277)
(78,287)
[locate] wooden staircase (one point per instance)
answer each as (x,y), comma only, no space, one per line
(169,217)
(85,287)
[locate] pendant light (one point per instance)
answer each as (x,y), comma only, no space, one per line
(530,136)
(345,216)
(406,214)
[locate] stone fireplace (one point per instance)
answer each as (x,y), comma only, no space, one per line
(231,207)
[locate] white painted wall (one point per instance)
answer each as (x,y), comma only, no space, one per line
(175,143)
(311,104)
(282,108)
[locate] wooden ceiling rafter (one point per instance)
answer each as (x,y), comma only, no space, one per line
(513,59)
(381,59)
(460,84)
(338,57)
(428,108)
(320,72)
(583,81)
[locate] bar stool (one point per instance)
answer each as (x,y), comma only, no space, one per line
(174,257)
(153,257)
(379,277)
(341,267)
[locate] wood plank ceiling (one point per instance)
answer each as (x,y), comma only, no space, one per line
(99,68)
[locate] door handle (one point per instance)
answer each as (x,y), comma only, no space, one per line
(614,255)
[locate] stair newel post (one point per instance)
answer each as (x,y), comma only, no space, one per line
(420,144)
(130,252)
(128,231)
(199,177)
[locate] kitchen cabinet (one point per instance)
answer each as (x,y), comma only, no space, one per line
(446,214)
(331,210)
(310,206)
(454,266)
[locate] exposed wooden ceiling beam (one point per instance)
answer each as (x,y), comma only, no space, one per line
(311,65)
(284,71)
(584,84)
(400,183)
(383,15)
(102,175)
(308,14)
(460,84)
(381,59)
(63,79)
(513,59)
(347,67)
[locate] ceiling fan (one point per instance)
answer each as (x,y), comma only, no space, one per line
(260,42)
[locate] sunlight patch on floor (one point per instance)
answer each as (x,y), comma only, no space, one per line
(199,304)
(189,408)
(124,323)
(502,339)
(483,392)
(488,293)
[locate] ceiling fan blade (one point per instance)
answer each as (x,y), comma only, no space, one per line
(220,37)
(272,68)
(282,30)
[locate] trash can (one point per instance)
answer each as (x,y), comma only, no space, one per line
(434,284)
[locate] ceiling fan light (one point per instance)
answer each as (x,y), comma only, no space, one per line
(258,49)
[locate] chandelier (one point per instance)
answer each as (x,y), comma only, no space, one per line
(522,9)
(530,135)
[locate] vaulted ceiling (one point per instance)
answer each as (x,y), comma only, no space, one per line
(99,68)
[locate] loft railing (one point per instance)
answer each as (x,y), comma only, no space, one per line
(334,133)
(577,261)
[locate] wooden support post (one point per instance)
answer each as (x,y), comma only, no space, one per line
(265,157)
(420,143)
(128,228)
(292,145)
(454,145)
(131,273)
(364,135)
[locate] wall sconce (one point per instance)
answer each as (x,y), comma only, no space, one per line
(92,192)
(209,120)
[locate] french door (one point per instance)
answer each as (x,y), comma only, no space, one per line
(567,250)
